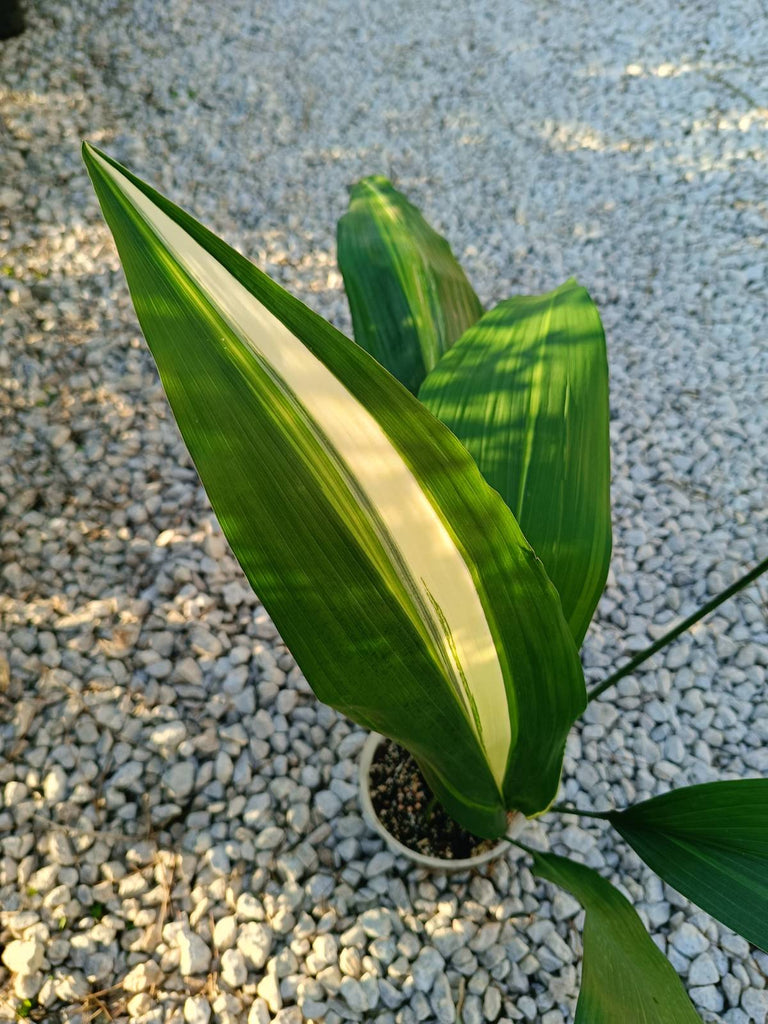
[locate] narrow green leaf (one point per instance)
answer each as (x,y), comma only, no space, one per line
(710,842)
(526,390)
(398,578)
(409,298)
(626,979)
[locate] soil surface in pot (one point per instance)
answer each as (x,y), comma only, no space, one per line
(406,807)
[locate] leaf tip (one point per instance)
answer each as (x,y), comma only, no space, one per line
(371,183)
(91,156)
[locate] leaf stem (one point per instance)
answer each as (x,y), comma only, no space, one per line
(429,810)
(686,624)
(562,809)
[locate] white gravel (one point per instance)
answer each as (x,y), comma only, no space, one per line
(179,833)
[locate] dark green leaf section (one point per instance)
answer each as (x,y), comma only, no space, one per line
(409,298)
(625,978)
(710,842)
(526,390)
(291,523)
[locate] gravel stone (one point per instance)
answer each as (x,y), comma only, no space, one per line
(755,1003)
(197,1010)
(472,1010)
(350,962)
(270,838)
(180,779)
(269,990)
(447,941)
(143,976)
(688,940)
(258,1013)
(442,1000)
(491,1003)
(379,864)
(139,1005)
(735,944)
(24,956)
(233,968)
(736,1016)
(225,932)
(249,908)
(426,967)
(703,971)
(376,923)
(353,994)
(169,735)
(195,956)
(55,785)
(707,996)
(564,906)
(327,803)
(325,951)
(255,943)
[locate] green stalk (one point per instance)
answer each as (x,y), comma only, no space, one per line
(686,624)
(562,809)
(429,810)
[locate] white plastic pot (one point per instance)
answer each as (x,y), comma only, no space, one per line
(516,825)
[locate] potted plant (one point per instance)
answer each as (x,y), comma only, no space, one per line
(385,500)
(397,803)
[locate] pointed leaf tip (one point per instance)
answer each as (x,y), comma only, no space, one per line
(409,298)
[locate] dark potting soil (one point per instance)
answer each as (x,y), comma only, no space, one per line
(405,806)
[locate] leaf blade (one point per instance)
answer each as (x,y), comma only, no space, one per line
(625,977)
(409,298)
(526,390)
(710,842)
(256,379)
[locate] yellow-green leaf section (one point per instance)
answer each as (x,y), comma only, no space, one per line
(526,390)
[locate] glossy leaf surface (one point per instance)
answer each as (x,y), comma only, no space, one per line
(710,842)
(625,977)
(399,580)
(526,390)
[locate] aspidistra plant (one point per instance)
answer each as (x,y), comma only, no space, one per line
(397,576)
(391,537)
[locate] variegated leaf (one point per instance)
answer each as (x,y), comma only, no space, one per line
(397,577)
(526,390)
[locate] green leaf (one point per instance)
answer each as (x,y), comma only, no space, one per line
(399,580)
(710,842)
(625,979)
(526,390)
(409,298)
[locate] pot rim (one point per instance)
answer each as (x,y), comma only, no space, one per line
(516,825)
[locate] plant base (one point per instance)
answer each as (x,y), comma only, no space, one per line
(398,804)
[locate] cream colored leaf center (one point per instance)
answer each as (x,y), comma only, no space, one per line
(434,562)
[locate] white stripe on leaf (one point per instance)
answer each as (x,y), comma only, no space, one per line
(413,531)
